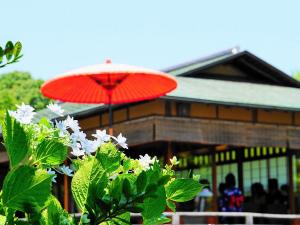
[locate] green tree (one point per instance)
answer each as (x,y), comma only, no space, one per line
(19,87)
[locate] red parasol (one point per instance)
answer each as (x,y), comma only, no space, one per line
(109,83)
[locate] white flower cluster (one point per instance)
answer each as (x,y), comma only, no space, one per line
(70,129)
(146,161)
(24,114)
(78,142)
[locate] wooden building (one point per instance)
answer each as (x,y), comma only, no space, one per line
(232,112)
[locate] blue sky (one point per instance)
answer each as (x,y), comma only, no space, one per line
(60,35)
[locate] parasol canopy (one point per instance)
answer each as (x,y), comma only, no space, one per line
(109,83)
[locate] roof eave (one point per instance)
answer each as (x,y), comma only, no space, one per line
(246,105)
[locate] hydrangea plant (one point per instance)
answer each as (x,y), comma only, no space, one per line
(106,184)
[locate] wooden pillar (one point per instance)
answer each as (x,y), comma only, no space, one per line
(214,181)
(66,193)
(169,152)
(240,177)
(291,183)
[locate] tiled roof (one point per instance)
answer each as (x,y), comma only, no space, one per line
(237,93)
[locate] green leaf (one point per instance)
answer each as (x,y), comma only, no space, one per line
(51,152)
(171,205)
(55,214)
(10,216)
(9,48)
(1,54)
(141,182)
(15,140)
(151,188)
(164,180)
(2,219)
(109,156)
(126,188)
(52,213)
(127,164)
(154,174)
(155,206)
(44,121)
(115,189)
(181,190)
(157,220)
(123,219)
(86,177)
(17,49)
(25,188)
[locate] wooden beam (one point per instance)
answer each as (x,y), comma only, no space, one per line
(218,132)
(207,131)
(221,147)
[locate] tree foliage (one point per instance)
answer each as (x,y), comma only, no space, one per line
(11,53)
(297,76)
(19,87)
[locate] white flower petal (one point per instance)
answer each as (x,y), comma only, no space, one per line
(55,108)
(101,136)
(71,123)
(121,141)
(77,152)
(66,170)
(51,172)
(24,113)
(62,127)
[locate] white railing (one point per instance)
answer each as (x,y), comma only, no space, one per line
(249,216)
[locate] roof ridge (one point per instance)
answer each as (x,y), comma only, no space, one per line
(229,52)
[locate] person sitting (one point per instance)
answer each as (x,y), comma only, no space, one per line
(258,197)
(232,199)
(285,195)
(204,198)
(275,198)
(274,195)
